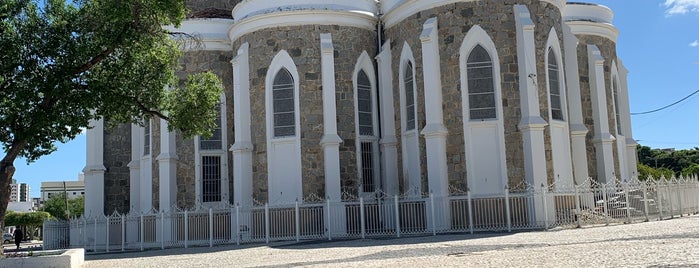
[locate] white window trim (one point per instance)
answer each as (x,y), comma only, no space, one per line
(562,180)
(554,45)
(405,58)
(282,60)
(199,153)
(615,93)
(477,36)
(364,63)
(146,169)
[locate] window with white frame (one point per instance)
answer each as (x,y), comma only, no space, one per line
(210,153)
(146,139)
(481,86)
(367,139)
(554,87)
(409,97)
(615,92)
(283,104)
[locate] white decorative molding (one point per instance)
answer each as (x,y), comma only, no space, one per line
(594,28)
(250,8)
(211,32)
(587,12)
(301,17)
(398,10)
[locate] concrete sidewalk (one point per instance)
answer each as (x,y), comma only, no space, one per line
(657,243)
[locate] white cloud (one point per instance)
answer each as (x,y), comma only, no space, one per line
(694,44)
(681,6)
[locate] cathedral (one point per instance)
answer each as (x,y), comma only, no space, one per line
(328,99)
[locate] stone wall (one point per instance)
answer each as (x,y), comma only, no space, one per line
(303,45)
(117,155)
(210,9)
(455,20)
(155,151)
(608,50)
(193,62)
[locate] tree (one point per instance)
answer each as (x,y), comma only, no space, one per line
(64,63)
(56,206)
(32,221)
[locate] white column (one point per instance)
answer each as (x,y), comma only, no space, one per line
(435,132)
(330,141)
(135,170)
(389,142)
(631,154)
(578,131)
(602,140)
(531,125)
(146,170)
(167,168)
(242,149)
(134,181)
(94,169)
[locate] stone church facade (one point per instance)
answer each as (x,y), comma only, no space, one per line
(324,99)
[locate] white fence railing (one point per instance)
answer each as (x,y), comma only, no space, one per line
(395,216)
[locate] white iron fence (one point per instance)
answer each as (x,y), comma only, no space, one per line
(382,216)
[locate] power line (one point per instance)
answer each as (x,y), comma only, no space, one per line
(668,106)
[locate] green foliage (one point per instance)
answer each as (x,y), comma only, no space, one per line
(668,162)
(56,206)
(32,221)
(691,170)
(66,62)
(71,61)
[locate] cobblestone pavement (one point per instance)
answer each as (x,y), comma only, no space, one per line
(670,243)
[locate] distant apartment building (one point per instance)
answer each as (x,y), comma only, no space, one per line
(20,192)
(73,189)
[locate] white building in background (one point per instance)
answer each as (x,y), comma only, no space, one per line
(73,189)
(354,97)
(19,192)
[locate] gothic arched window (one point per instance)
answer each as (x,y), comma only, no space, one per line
(283,104)
(554,87)
(481,87)
(409,97)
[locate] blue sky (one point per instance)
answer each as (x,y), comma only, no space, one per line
(659,44)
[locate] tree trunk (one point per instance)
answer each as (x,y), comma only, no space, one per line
(7,170)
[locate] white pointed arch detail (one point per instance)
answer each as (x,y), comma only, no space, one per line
(486,165)
(559,130)
(367,144)
(283,153)
(412,171)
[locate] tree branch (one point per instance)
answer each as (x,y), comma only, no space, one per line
(94,61)
(146,110)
